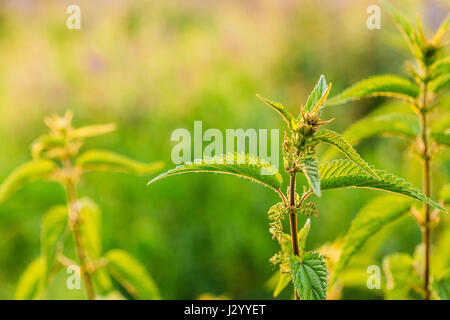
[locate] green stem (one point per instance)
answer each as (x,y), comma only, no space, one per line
(426,187)
(293,222)
(74,222)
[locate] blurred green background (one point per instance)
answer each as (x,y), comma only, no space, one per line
(154,66)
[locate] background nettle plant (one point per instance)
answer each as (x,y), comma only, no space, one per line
(426,123)
(306,269)
(57,157)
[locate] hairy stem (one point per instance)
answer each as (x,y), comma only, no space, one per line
(74,221)
(293,221)
(426,187)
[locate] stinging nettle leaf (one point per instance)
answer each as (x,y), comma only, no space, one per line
(439,35)
(395,124)
(90,219)
(103,160)
(27,172)
(132,275)
(402,277)
(283,280)
(319,91)
(378,86)
(371,219)
(406,125)
(54,225)
(241,165)
(29,286)
(287,116)
(406,28)
(442,286)
(440,67)
(310,169)
(337,140)
(92,131)
(345,174)
(310,276)
(441,137)
(439,83)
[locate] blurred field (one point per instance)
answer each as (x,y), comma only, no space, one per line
(154,66)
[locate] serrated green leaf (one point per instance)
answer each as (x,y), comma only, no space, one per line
(401,276)
(395,124)
(28,287)
(406,125)
(132,275)
(371,219)
(378,86)
(27,172)
(283,280)
(406,28)
(439,83)
(278,107)
(337,140)
(445,194)
(241,165)
(102,160)
(310,276)
(345,174)
(442,286)
(439,35)
(90,219)
(54,225)
(315,96)
(92,131)
(310,169)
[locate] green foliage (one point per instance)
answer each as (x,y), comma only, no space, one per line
(283,280)
(442,137)
(406,28)
(29,286)
(310,276)
(308,269)
(102,160)
(371,219)
(317,97)
(440,67)
(442,287)
(26,173)
(287,116)
(241,165)
(403,282)
(337,140)
(378,86)
(406,125)
(439,35)
(345,174)
(310,169)
(132,275)
(54,225)
(445,194)
(439,83)
(54,155)
(90,221)
(303,234)
(93,130)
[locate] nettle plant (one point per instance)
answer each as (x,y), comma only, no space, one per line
(57,157)
(306,269)
(428,129)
